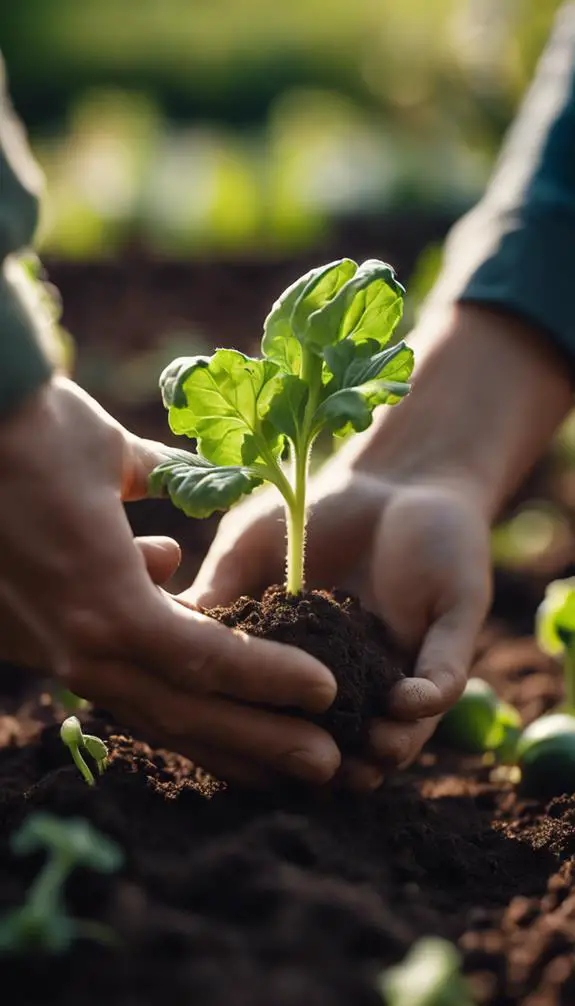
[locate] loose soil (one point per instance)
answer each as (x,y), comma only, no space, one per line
(352,642)
(232,898)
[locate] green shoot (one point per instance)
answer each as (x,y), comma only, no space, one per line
(555,630)
(42,922)
(73,737)
(546,749)
(429,976)
(480,721)
(326,364)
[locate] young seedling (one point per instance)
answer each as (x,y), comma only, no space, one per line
(42,922)
(326,364)
(73,737)
(480,721)
(546,749)
(429,976)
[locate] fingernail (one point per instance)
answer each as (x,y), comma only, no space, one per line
(312,765)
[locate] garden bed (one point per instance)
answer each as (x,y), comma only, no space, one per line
(229,898)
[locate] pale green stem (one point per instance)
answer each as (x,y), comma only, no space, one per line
(296,525)
(569,675)
(81,765)
(46,891)
(296,514)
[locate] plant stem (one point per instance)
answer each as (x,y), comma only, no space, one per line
(569,675)
(296,513)
(296,525)
(46,890)
(81,765)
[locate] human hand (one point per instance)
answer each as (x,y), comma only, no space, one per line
(78,597)
(416,554)
(401,517)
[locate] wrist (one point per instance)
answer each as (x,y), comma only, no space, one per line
(488,394)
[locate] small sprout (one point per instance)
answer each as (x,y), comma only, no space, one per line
(546,749)
(42,922)
(73,737)
(428,976)
(328,361)
(546,756)
(480,721)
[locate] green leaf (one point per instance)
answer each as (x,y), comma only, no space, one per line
(555,622)
(197,486)
(361,380)
(368,306)
(222,401)
(287,408)
(352,408)
(285,324)
(352,364)
(429,975)
(319,292)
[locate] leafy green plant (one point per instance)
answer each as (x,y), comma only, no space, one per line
(428,976)
(73,737)
(326,364)
(42,923)
(546,749)
(480,721)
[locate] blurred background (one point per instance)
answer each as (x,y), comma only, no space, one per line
(200,154)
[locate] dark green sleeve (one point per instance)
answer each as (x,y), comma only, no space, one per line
(516,250)
(23,363)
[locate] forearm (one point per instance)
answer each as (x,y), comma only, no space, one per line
(24,364)
(487,396)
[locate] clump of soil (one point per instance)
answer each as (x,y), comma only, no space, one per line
(333,627)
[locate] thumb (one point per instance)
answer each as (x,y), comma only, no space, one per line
(442,666)
(246,556)
(161,555)
(139,460)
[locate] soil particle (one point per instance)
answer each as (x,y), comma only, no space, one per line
(355,645)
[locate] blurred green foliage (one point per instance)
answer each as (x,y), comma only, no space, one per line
(214,125)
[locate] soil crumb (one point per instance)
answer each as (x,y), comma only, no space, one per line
(333,627)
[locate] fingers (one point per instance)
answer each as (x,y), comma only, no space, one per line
(442,666)
(231,740)
(161,555)
(140,458)
(394,744)
(196,653)
(247,555)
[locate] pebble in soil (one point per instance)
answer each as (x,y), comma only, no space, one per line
(333,627)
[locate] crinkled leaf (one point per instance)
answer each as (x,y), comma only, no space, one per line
(555,622)
(368,306)
(362,379)
(319,292)
(222,401)
(284,326)
(351,363)
(197,486)
(288,406)
(352,408)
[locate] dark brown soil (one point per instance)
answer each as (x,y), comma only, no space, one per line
(353,643)
(230,898)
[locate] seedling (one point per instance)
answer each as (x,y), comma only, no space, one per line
(42,922)
(480,721)
(546,750)
(429,976)
(73,737)
(326,364)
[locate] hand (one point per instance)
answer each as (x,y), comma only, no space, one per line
(418,555)
(77,594)
(401,516)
